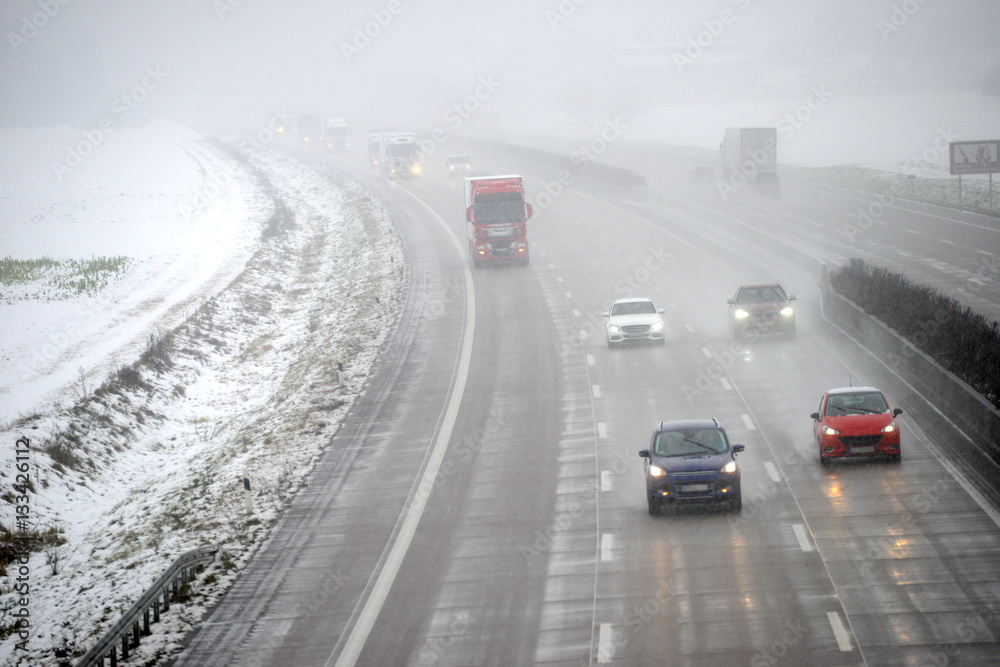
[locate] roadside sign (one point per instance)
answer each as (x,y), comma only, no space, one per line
(974,157)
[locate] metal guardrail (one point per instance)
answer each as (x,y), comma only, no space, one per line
(126,633)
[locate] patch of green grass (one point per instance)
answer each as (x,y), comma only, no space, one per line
(47,279)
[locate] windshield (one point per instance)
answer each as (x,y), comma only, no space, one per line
(867,403)
(402,150)
(337,131)
(497,207)
(634,308)
(761,294)
(458,159)
(692,442)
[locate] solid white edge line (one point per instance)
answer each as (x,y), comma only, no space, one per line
(802,536)
(840,631)
(380,591)
(604,644)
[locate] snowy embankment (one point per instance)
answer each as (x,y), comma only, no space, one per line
(227,380)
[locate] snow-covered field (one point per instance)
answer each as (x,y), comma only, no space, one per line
(213,356)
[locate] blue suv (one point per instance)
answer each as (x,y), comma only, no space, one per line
(691,461)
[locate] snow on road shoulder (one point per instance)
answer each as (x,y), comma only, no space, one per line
(151,463)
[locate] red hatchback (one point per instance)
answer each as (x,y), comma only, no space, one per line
(856,421)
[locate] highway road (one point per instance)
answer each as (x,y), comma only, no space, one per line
(484,504)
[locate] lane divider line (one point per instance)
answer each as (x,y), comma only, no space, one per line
(596,390)
(840,631)
(772,471)
(607,481)
(802,536)
(748,422)
(607,542)
(604,644)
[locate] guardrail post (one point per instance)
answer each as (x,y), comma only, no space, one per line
(156,611)
(166,600)
(125,646)
(114,657)
(135,633)
(145,622)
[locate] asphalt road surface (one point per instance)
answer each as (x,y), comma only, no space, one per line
(484,504)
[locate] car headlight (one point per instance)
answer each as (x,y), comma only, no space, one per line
(787,311)
(829,430)
(729,468)
(741,314)
(889,428)
(614,328)
(657,325)
(415,169)
(655,471)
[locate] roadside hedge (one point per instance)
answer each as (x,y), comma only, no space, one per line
(964,342)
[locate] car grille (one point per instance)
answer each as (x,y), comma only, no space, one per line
(635,328)
(764,318)
(501,248)
(692,473)
(860,440)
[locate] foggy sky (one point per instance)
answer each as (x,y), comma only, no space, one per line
(66,62)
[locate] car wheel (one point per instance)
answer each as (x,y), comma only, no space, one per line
(738,333)
(663,341)
(610,344)
(823,460)
(654,505)
(736,504)
(525,261)
(791,331)
(895,458)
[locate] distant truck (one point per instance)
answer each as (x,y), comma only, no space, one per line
(497,217)
(310,128)
(399,154)
(336,134)
(748,152)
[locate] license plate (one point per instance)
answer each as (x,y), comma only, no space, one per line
(694,488)
(863,450)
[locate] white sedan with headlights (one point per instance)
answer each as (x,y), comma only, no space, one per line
(635,318)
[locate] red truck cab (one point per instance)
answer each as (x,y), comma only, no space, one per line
(497,217)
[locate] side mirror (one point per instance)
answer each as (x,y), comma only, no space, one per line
(897,412)
(791,297)
(527,211)
(606,314)
(644,453)
(738,448)
(731,301)
(815,416)
(468,214)
(661,311)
